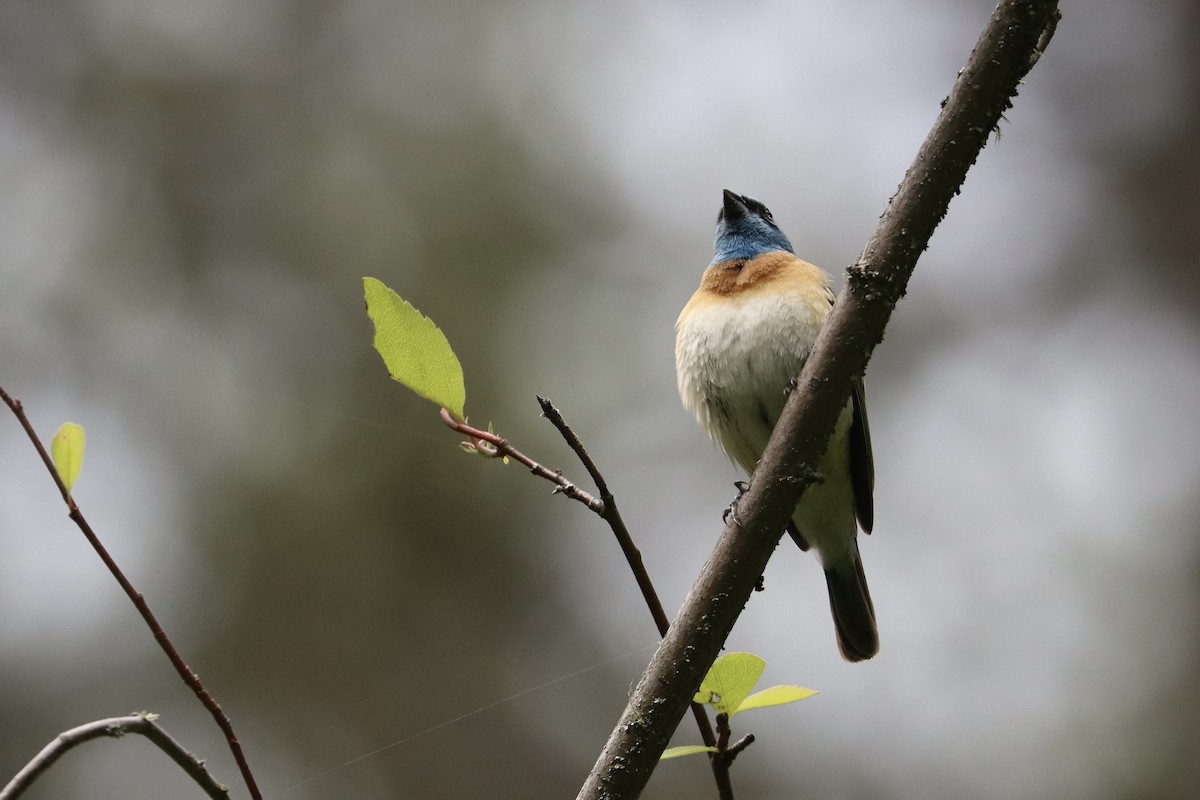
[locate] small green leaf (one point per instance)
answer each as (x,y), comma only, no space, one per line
(66,450)
(414,350)
(729,681)
(775,696)
(686,750)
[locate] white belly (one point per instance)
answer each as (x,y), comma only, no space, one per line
(735,361)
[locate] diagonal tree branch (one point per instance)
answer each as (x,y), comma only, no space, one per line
(1008,48)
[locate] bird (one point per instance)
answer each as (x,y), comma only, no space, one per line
(740,343)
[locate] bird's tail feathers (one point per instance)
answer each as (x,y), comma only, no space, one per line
(853,612)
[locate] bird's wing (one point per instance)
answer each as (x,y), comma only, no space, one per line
(862,463)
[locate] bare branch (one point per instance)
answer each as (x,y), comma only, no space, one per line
(556,419)
(982,93)
(164,642)
(612,516)
(116,727)
(633,556)
(497,447)
(605,507)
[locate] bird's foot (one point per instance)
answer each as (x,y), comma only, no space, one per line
(730,512)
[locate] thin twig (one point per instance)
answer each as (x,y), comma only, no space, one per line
(496,447)
(720,760)
(605,507)
(556,419)
(738,746)
(185,672)
(982,93)
(726,752)
(633,556)
(612,516)
(723,732)
(142,724)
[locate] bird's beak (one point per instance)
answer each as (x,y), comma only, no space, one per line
(734,207)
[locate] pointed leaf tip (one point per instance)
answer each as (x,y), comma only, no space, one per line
(66,451)
(775,696)
(414,350)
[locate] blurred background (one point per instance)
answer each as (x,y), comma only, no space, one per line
(192,193)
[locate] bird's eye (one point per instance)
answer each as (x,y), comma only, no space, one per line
(758,208)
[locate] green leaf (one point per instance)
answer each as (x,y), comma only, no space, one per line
(686,750)
(66,450)
(414,350)
(729,681)
(775,696)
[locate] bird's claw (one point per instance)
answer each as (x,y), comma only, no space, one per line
(730,512)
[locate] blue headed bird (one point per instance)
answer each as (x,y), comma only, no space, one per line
(740,343)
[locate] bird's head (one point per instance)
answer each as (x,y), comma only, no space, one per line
(745,229)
